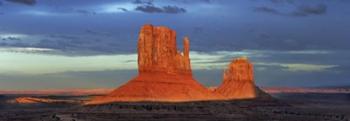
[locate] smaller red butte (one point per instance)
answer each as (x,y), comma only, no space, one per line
(238,80)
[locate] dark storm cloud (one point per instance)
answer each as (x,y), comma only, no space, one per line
(173,9)
(148,6)
(319,9)
(11,38)
(147,2)
(25,2)
(123,9)
(266,9)
(153,2)
(149,9)
(193,1)
(71,10)
(207,1)
(282,1)
(85,12)
(165,9)
(300,11)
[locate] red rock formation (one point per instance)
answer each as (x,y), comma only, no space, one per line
(238,81)
(33,100)
(164,72)
(157,52)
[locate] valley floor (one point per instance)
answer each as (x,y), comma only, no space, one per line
(280,109)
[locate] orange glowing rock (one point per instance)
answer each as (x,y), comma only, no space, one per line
(165,74)
(157,52)
(34,100)
(238,82)
(26,100)
(154,87)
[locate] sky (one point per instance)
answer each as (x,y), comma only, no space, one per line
(69,44)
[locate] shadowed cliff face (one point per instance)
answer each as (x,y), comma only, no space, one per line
(165,74)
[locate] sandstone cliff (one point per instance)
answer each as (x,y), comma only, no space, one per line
(165,74)
(238,80)
(157,52)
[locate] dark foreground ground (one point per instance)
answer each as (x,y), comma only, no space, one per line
(284,107)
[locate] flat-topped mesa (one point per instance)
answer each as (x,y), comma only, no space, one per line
(157,52)
(238,80)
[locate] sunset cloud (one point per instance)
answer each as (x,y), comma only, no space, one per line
(307,67)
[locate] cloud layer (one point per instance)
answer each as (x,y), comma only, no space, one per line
(25,2)
(165,9)
(299,11)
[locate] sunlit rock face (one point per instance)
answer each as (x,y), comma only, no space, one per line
(238,80)
(164,72)
(157,52)
(26,100)
(34,100)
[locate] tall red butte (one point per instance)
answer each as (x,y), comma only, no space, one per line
(165,74)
